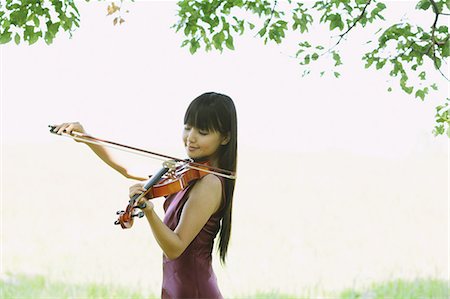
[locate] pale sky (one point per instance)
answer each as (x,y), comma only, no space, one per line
(132,83)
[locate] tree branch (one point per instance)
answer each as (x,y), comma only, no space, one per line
(341,36)
(270,18)
(433,38)
(354,23)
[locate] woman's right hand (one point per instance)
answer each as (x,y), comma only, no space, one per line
(99,150)
(69,128)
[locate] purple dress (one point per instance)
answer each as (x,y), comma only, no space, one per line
(191,274)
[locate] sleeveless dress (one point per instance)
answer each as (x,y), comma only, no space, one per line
(191,274)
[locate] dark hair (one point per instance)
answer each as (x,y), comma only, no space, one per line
(216,112)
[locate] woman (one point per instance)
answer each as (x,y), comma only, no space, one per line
(195,215)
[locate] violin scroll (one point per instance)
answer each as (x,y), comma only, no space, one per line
(126,217)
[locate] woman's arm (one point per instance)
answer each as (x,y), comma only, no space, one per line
(103,154)
(99,150)
(204,200)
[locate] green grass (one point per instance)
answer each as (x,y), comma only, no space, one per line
(34,287)
(22,286)
(401,289)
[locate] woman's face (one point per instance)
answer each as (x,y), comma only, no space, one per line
(200,144)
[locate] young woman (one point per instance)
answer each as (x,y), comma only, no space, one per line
(195,215)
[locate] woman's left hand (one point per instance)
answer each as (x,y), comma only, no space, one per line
(139,189)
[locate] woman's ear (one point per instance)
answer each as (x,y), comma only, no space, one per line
(225,139)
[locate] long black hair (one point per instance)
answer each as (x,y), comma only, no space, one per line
(213,111)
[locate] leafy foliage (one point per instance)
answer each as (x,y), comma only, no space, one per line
(442,118)
(29,20)
(404,49)
(414,47)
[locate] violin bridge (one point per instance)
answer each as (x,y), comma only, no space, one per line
(170,164)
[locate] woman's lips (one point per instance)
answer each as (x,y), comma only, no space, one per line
(192,148)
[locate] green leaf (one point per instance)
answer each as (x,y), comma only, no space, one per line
(408,90)
(48,38)
(422,75)
(438,63)
(434,86)
(423,4)
(380,63)
(305,44)
(420,93)
(218,40)
(307,59)
(425,36)
(194,46)
(5,37)
(17,39)
(36,21)
(314,56)
(299,52)
(381,6)
(19,17)
(34,37)
(184,43)
(445,49)
(251,25)
(262,31)
(229,42)
(336,22)
(187,29)
(337,58)
(52,28)
(389,89)
(438,129)
(337,75)
(369,62)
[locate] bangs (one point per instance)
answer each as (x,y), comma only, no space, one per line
(204,116)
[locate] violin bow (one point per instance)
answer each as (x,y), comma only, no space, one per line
(146,153)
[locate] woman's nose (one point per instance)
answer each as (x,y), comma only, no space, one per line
(191,136)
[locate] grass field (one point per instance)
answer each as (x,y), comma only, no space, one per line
(334,224)
(34,287)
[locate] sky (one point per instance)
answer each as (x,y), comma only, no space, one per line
(132,83)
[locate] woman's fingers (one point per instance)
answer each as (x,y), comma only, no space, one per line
(60,128)
(137,186)
(69,128)
(145,204)
(139,189)
(136,189)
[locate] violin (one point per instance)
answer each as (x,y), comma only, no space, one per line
(175,175)
(168,180)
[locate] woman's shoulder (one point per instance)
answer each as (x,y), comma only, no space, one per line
(210,181)
(208,189)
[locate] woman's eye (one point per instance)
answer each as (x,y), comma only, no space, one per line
(203,132)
